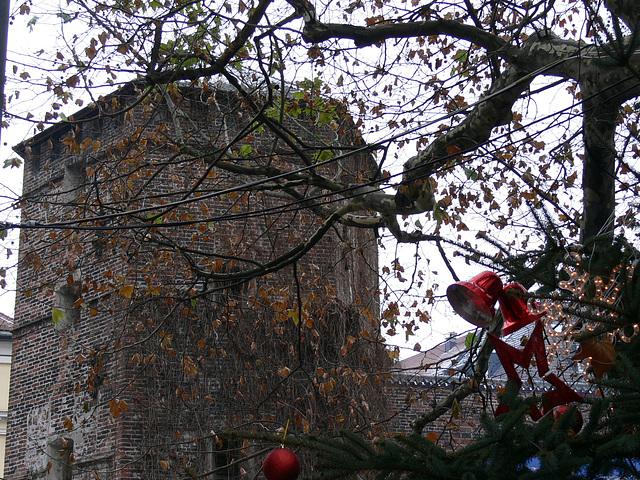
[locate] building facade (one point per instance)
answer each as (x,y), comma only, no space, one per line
(427,380)
(6,324)
(136,342)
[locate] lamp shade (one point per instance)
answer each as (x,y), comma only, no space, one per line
(475,300)
(514,309)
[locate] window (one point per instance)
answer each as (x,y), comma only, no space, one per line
(220,456)
(75,177)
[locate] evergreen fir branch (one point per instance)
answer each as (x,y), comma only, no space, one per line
(358,441)
(421,444)
(596,412)
(349,446)
(329,448)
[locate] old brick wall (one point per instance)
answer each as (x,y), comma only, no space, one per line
(97,375)
(415,392)
(413,396)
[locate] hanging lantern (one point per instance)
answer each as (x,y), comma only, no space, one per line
(514,310)
(475,300)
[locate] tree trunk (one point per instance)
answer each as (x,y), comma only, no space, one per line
(598,174)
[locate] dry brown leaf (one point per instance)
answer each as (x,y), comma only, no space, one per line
(433,436)
(601,352)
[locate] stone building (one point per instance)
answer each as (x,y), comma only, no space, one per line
(6,324)
(134,344)
(426,379)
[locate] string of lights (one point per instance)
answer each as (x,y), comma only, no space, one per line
(576,308)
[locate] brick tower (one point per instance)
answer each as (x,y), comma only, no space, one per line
(158,299)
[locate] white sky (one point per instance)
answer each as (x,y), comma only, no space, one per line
(11,178)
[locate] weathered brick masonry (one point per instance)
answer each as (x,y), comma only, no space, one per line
(137,377)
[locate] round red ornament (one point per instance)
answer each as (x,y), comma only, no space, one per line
(576,423)
(281,464)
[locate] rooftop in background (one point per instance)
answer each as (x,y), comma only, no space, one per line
(6,323)
(448,361)
(438,357)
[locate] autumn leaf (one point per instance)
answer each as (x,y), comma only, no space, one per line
(293,315)
(90,51)
(126,291)
(190,367)
(103,37)
(394,354)
(432,436)
(246,150)
(57,315)
(456,409)
(72,81)
(470,340)
(117,407)
(601,352)
(68,424)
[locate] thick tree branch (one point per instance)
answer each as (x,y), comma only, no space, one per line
(468,135)
(220,64)
(316,32)
(543,55)
(598,174)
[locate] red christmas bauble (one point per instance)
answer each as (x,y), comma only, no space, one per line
(559,411)
(281,464)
